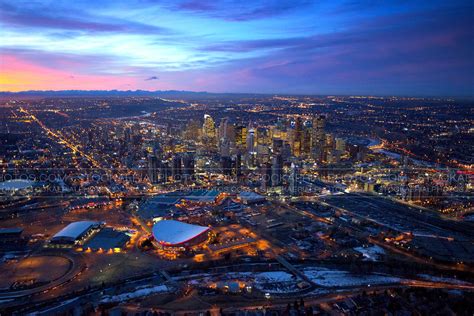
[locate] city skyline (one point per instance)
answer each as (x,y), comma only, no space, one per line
(231,158)
(411,49)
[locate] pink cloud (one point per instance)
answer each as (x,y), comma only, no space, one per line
(18,74)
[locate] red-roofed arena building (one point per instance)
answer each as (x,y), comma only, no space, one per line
(172,233)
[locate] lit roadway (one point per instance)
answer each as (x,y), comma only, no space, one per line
(66,142)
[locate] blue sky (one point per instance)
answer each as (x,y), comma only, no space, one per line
(305,47)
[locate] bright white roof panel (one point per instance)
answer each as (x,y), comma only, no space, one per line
(75,230)
(173,232)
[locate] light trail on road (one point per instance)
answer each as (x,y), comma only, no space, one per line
(64,141)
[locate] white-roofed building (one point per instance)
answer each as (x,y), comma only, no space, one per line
(75,232)
(174,233)
(249,197)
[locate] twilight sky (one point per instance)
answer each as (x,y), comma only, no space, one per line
(397,47)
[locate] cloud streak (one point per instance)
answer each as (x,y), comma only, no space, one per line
(235,11)
(44,17)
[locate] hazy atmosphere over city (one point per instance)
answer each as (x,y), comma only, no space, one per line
(236,158)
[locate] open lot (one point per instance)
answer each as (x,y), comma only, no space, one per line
(33,271)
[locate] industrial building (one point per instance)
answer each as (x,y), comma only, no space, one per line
(108,239)
(11,238)
(76,232)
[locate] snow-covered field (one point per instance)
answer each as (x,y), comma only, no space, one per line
(275,282)
(277,288)
(372,253)
(139,292)
(274,276)
(338,278)
(280,282)
(433,278)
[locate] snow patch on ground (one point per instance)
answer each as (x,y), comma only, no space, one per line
(274,276)
(443,280)
(372,253)
(337,278)
(275,282)
(139,292)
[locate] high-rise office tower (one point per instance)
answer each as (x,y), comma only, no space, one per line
(277,145)
(222,131)
(285,151)
(176,168)
(318,137)
(230,133)
(277,170)
(297,138)
(333,156)
(153,169)
(224,147)
(278,129)
(237,165)
(251,140)
(193,130)
(226,165)
(330,141)
(241,136)
(306,141)
(266,172)
(341,144)
(188,164)
(293,180)
(208,128)
(263,136)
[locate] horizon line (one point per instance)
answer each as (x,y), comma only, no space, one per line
(236,93)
